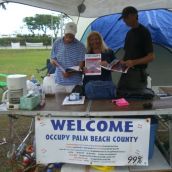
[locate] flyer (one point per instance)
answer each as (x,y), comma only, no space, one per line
(92,64)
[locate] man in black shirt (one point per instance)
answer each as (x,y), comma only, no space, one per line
(138,52)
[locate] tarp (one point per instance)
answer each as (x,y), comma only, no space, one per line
(94,8)
(159,22)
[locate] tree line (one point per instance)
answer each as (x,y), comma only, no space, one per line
(44,23)
(38,26)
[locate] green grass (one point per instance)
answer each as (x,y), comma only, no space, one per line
(23,61)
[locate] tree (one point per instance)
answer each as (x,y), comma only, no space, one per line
(55,24)
(43,23)
(31,24)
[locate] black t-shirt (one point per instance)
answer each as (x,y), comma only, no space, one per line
(138,43)
(108,56)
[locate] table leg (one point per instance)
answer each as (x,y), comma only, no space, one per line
(170,141)
(11,151)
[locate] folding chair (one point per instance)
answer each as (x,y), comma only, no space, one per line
(50,69)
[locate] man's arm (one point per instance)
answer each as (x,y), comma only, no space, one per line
(145,60)
(55,63)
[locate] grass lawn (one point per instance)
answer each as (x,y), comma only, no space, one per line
(23,61)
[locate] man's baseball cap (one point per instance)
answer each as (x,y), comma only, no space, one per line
(70,28)
(128,10)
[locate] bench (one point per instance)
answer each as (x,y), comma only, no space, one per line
(38,44)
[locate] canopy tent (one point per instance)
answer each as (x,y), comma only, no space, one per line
(159,23)
(93,8)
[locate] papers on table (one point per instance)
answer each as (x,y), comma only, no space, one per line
(66,101)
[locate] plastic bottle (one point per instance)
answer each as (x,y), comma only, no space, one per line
(33,79)
(149,82)
(27,159)
(20,150)
(50,168)
(39,89)
(42,95)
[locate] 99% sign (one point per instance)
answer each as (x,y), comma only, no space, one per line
(135,160)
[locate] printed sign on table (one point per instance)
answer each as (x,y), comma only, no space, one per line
(96,141)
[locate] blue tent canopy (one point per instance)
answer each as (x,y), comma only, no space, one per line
(159,23)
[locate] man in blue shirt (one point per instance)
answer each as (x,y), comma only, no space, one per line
(67,52)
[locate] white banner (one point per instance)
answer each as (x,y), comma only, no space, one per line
(96,141)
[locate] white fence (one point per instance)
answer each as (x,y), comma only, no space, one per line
(15,45)
(38,44)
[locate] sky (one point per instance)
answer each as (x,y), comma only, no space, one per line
(11,19)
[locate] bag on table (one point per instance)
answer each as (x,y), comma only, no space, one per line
(144,94)
(100,90)
(49,86)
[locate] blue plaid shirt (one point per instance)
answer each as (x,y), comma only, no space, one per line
(68,55)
